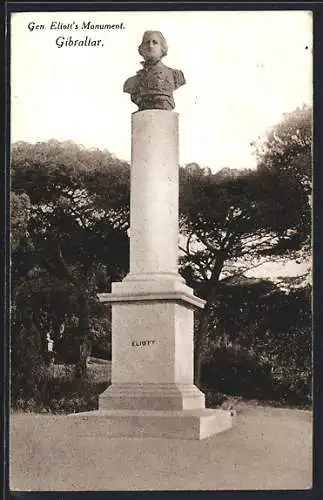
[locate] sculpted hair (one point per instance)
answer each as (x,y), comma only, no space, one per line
(162,40)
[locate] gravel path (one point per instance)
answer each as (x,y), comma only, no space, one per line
(268,448)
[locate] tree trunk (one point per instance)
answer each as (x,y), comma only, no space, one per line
(202,331)
(83,324)
(200,336)
(83,338)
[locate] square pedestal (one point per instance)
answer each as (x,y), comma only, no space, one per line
(152,392)
(152,348)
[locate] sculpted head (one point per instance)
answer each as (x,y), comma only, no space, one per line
(153,46)
(153,86)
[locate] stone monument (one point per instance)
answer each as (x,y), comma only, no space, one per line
(152,392)
(153,86)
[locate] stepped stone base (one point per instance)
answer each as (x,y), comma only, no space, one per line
(159,396)
(186,424)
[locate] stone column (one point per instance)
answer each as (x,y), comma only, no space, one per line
(154,195)
(152,311)
(152,391)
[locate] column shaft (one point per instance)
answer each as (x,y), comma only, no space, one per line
(154,193)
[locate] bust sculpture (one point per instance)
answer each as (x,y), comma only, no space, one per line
(153,86)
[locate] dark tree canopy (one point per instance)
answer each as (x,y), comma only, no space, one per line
(287,147)
(70,221)
(70,216)
(231,221)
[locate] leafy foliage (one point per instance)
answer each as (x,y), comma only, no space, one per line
(20,207)
(233,222)
(28,370)
(69,224)
(287,147)
(70,216)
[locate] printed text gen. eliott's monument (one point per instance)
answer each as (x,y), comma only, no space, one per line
(152,392)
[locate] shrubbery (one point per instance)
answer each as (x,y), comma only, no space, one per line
(236,372)
(63,395)
(229,373)
(72,395)
(34,384)
(70,221)
(28,367)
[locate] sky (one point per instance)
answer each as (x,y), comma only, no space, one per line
(243,70)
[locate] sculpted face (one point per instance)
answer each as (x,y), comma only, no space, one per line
(153,86)
(151,48)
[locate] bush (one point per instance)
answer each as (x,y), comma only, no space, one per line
(67,347)
(213,399)
(294,393)
(236,372)
(63,396)
(101,335)
(28,365)
(72,395)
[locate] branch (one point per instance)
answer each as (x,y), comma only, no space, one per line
(241,273)
(188,241)
(208,245)
(183,250)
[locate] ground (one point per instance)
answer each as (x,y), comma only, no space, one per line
(269,448)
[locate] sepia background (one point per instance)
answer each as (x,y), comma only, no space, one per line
(245,155)
(243,71)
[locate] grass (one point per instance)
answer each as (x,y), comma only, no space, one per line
(98,370)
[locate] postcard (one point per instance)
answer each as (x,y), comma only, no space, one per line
(160,241)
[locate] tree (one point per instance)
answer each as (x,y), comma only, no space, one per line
(286,151)
(78,222)
(257,315)
(286,148)
(232,223)
(263,334)
(27,361)
(20,208)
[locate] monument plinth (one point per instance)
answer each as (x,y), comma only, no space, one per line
(152,392)
(152,309)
